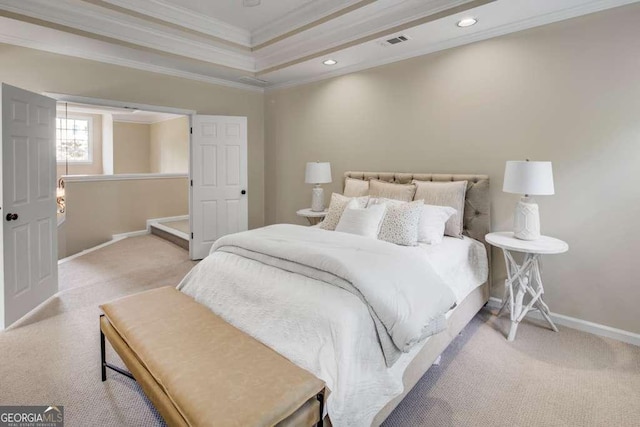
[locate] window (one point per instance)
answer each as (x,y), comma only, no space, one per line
(73,140)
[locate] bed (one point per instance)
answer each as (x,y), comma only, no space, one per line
(309,318)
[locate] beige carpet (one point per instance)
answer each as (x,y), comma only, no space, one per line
(568,378)
(54,357)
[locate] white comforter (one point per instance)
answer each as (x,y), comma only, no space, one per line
(318,325)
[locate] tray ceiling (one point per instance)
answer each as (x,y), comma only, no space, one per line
(253,18)
(277,43)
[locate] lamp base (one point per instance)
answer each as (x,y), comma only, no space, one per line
(317,199)
(526,220)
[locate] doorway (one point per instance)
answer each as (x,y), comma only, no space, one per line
(117,169)
(216,180)
(217,171)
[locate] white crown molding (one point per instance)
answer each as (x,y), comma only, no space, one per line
(107,23)
(371,19)
(300,17)
(536,21)
(581,325)
(41,43)
(56,41)
(187,18)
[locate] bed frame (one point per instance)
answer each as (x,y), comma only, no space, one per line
(477,223)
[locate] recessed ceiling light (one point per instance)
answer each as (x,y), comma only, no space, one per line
(329,62)
(467,22)
(251,3)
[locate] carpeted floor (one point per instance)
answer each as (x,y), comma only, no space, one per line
(53,356)
(568,378)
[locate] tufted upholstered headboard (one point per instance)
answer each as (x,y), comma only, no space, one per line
(477,215)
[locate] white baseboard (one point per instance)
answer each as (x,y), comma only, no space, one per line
(581,325)
(115,238)
(130,234)
(86,251)
(165,219)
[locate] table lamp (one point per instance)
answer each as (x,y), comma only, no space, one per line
(528,178)
(317,173)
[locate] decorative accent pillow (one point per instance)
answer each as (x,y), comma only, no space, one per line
(336,207)
(445,194)
(356,187)
(432,223)
(400,224)
(361,221)
(387,190)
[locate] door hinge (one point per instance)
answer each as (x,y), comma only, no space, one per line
(192,183)
(191,236)
(191,131)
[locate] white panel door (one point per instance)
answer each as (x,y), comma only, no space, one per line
(28,240)
(218,202)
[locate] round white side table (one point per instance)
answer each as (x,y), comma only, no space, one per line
(312,216)
(525,278)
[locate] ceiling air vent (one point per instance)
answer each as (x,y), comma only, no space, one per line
(395,40)
(254,81)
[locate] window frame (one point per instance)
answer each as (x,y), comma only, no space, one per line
(89,120)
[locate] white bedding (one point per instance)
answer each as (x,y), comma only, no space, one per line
(323,328)
(462,263)
(405,296)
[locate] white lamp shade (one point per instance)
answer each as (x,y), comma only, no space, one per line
(317,173)
(524,177)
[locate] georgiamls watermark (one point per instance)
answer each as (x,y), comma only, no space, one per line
(31,416)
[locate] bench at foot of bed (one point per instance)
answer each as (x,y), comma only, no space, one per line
(198,370)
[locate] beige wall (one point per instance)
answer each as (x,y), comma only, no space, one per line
(95,167)
(131,147)
(568,92)
(169,146)
(97,210)
(47,72)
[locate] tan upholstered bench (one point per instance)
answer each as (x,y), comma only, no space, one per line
(198,370)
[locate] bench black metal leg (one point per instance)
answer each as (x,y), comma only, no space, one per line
(320,397)
(103,357)
(103,360)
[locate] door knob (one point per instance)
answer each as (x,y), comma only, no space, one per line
(243,192)
(12,217)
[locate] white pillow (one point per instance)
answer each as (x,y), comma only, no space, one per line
(336,207)
(361,221)
(400,224)
(432,223)
(445,194)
